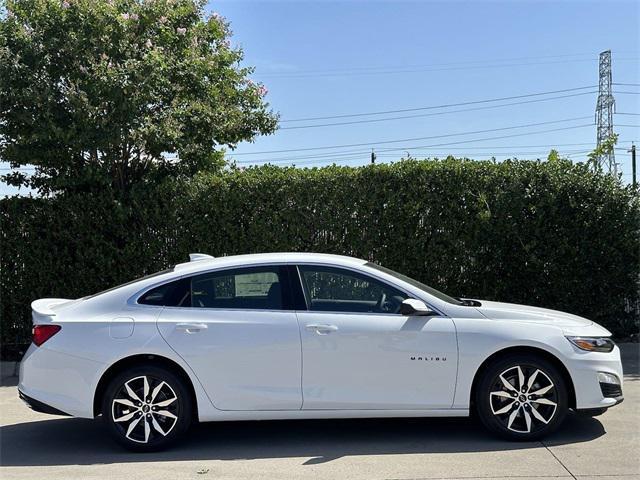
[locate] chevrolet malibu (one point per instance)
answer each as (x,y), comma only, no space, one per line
(300,336)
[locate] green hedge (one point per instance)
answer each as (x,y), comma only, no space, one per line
(549,234)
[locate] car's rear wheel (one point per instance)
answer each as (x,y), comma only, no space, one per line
(146,408)
(522,397)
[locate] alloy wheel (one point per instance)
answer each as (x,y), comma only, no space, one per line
(523,398)
(145,408)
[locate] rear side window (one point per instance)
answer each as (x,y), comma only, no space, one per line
(263,288)
(172,294)
(257,288)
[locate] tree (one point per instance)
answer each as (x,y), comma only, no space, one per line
(553,156)
(605,148)
(106,93)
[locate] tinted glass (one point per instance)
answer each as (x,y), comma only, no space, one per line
(250,288)
(172,294)
(337,290)
(417,284)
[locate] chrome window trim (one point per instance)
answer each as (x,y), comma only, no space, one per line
(133,300)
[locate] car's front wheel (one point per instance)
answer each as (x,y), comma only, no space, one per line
(146,408)
(522,397)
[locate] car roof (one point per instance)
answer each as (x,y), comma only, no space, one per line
(203,262)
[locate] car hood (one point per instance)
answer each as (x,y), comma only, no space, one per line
(570,324)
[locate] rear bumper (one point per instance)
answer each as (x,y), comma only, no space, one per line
(38,406)
(60,381)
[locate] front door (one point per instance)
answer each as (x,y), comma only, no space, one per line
(359,353)
(238,332)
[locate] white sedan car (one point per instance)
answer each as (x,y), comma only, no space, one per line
(299,336)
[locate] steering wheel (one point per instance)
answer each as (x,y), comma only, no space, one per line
(384,305)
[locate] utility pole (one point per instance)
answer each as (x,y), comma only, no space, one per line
(633,165)
(373,157)
(605,107)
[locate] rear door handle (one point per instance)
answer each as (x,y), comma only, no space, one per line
(322,329)
(191,327)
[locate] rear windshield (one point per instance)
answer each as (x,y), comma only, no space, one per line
(416,283)
(157,274)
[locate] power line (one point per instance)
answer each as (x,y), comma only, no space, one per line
(432,107)
(487,107)
(467,62)
(418,147)
(358,153)
(347,73)
(413,139)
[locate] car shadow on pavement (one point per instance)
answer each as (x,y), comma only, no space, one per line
(71,441)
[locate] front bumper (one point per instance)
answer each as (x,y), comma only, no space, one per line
(584,368)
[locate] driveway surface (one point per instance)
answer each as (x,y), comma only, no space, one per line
(37,446)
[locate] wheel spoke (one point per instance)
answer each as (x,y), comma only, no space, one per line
(536,414)
(504,409)
(520,377)
(508,385)
(512,417)
(132,425)
(543,401)
(501,393)
(527,419)
(157,426)
(166,413)
(131,393)
(543,390)
(156,390)
(532,379)
(124,401)
(147,430)
(124,418)
(145,389)
(165,403)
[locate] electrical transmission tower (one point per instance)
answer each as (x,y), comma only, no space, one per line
(605,108)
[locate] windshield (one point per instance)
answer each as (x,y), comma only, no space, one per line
(417,284)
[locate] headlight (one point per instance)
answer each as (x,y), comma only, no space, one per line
(593,344)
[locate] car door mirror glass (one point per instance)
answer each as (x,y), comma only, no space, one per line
(415,307)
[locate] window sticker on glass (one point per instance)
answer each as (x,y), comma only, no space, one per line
(255,284)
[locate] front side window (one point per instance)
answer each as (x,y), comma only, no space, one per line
(331,289)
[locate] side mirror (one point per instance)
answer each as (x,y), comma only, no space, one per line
(412,307)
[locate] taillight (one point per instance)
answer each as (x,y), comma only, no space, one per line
(42,333)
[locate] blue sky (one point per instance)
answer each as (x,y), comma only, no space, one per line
(324,59)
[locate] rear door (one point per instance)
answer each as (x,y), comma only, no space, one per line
(237,330)
(360,353)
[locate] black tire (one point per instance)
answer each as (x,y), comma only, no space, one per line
(504,411)
(149,419)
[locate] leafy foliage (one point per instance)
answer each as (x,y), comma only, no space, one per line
(605,148)
(550,234)
(95,93)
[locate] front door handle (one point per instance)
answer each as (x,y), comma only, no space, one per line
(322,329)
(191,327)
